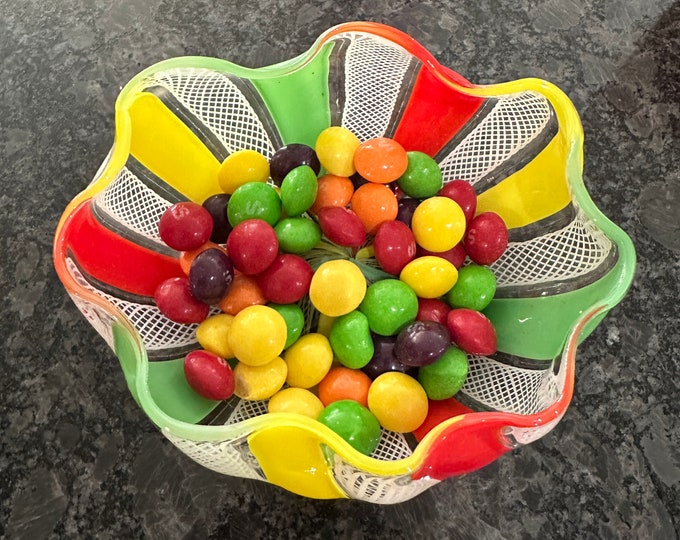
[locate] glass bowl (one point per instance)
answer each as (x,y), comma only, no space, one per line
(520,144)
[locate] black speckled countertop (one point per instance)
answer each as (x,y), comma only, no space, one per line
(80,460)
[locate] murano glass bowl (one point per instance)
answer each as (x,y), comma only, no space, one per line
(520,145)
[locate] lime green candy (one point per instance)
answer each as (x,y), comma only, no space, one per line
(389,305)
(443,378)
(351,340)
(474,289)
(354,423)
(295,321)
(297,234)
(422,178)
(298,190)
(254,200)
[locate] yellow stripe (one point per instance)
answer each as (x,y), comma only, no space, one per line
(534,192)
(169,149)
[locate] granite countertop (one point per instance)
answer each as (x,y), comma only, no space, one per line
(80,460)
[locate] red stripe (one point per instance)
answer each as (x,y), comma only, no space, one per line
(108,257)
(435,112)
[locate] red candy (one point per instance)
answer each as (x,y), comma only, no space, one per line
(456,255)
(252,246)
(394,246)
(342,226)
(174,300)
(486,238)
(185,226)
(286,280)
(209,375)
(432,309)
(471,331)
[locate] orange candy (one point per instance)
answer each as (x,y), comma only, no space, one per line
(374,204)
(332,190)
(380,160)
(344,383)
(244,292)
(187,257)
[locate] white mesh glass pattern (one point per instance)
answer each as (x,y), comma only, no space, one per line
(220,105)
(374,75)
(567,253)
(514,122)
(130,202)
(508,388)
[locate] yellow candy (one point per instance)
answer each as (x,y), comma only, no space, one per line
(296,400)
(398,401)
(335,147)
(337,288)
(257,335)
(429,276)
(308,360)
(240,167)
(438,224)
(213,334)
(259,382)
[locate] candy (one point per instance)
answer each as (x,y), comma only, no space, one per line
(350,338)
(405,209)
(209,375)
(381,160)
(429,276)
(252,246)
(398,401)
(432,309)
(344,383)
(244,292)
(185,226)
(354,423)
(337,288)
(486,238)
(474,289)
(421,343)
(286,280)
(308,360)
(295,401)
(443,378)
(210,276)
(394,246)
(335,147)
(374,204)
(288,157)
(258,335)
(456,255)
(332,190)
(298,190)
(422,177)
(174,300)
(389,305)
(241,167)
(464,194)
(212,334)
(295,321)
(254,200)
(297,234)
(383,359)
(216,205)
(186,258)
(259,382)
(438,224)
(471,331)
(342,226)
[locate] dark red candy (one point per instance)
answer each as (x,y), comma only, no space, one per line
(421,343)
(209,375)
(174,300)
(210,276)
(342,226)
(432,309)
(384,360)
(286,280)
(185,226)
(405,208)
(252,246)
(216,205)
(456,255)
(486,238)
(471,331)
(289,157)
(464,194)
(394,246)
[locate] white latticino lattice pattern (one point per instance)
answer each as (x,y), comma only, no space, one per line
(374,74)
(508,388)
(368,487)
(218,102)
(97,317)
(567,253)
(157,331)
(130,202)
(513,123)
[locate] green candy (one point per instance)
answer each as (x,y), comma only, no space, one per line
(295,321)
(351,341)
(389,305)
(474,289)
(422,178)
(443,378)
(298,190)
(297,234)
(354,423)
(254,200)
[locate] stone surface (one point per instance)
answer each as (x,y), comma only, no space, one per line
(79,459)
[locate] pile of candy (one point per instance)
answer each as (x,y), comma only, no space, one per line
(376,243)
